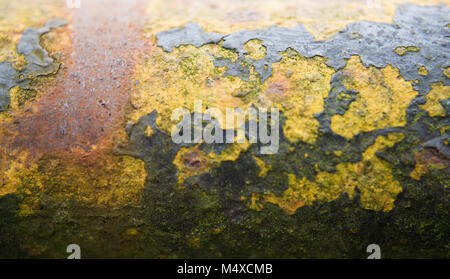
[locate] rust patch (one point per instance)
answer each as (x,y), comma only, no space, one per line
(277,88)
(84,109)
(430,157)
(193,160)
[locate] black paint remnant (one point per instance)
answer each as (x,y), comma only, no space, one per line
(190,34)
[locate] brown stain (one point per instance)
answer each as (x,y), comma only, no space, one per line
(85,108)
(277,88)
(193,160)
(426,159)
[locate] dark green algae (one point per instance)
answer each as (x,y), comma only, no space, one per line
(211,211)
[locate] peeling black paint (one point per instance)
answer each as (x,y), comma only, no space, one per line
(423,26)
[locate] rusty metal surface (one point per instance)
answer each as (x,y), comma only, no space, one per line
(87,155)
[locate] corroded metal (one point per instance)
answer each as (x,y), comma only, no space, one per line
(87,155)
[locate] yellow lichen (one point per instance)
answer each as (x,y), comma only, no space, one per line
(301,94)
(446,72)
(422,71)
(381,102)
(300,192)
(113,181)
(187,74)
(263,166)
(255,49)
(15,16)
(402,50)
(191,160)
(439,91)
(180,78)
(148,131)
(131,231)
(10,169)
(371,175)
(419,169)
(194,241)
(19,96)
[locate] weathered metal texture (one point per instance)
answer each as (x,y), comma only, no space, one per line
(363,155)
(374,42)
(38,61)
(7,77)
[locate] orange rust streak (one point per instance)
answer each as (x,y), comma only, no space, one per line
(87,104)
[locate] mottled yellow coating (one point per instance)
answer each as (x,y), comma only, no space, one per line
(263,166)
(381,102)
(419,169)
(191,160)
(300,192)
(446,72)
(422,71)
(371,175)
(132,231)
(402,50)
(17,97)
(15,16)
(148,131)
(9,170)
(298,87)
(194,242)
(187,74)
(439,91)
(112,181)
(255,49)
